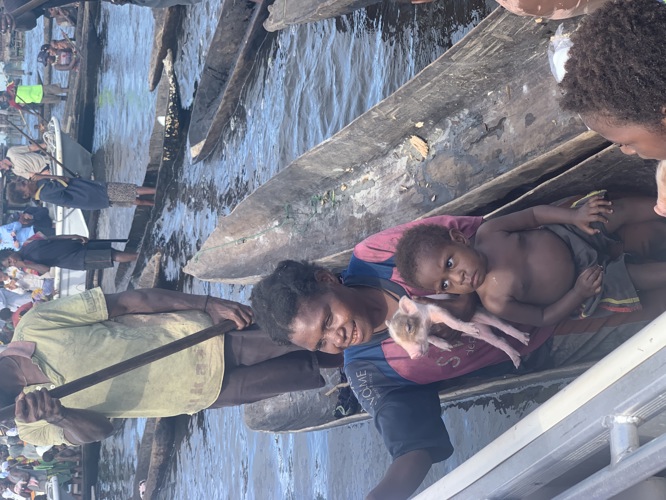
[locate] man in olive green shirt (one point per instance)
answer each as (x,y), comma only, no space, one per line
(68,338)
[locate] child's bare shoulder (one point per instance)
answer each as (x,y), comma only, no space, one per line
(489,231)
(494,299)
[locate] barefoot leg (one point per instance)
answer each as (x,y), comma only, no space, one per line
(118,256)
(144,203)
(141,190)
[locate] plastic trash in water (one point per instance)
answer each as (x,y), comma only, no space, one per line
(558,52)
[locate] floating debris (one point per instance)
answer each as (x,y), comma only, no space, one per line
(151,273)
(418,124)
(420,145)
(343,187)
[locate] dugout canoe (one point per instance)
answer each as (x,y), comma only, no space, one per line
(486,118)
(306,411)
(229,62)
(285,13)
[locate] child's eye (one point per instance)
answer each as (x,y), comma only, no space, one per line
(449,263)
(444,285)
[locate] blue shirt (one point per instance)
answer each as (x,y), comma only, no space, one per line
(22,234)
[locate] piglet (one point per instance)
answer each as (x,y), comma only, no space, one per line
(410,329)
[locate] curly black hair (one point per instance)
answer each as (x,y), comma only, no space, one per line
(615,69)
(414,243)
(276,298)
(5,314)
(7,252)
(14,195)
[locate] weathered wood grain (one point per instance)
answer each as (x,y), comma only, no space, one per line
(486,108)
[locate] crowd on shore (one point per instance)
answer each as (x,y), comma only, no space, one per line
(26,469)
(596,263)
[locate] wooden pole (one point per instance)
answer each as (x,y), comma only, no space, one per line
(112,240)
(132,363)
(32,4)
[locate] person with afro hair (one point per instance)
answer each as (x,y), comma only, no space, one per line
(615,78)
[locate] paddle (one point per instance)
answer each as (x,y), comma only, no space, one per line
(130,364)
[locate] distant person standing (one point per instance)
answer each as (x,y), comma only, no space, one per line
(26,161)
(61,55)
(65,251)
(14,234)
(17,96)
(39,219)
(77,193)
(64,16)
(32,220)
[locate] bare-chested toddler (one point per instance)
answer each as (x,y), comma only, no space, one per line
(540,265)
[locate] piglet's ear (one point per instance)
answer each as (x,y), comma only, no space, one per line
(407,305)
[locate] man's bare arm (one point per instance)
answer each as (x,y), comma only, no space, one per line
(403,476)
(595,210)
(155,300)
(79,426)
(551,9)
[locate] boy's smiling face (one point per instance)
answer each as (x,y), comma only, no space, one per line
(633,138)
(452,268)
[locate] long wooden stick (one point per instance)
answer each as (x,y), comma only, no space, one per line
(112,240)
(132,363)
(26,7)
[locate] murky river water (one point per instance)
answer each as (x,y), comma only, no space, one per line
(309,82)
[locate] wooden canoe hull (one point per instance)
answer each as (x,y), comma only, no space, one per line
(310,411)
(285,13)
(306,411)
(485,108)
(229,61)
